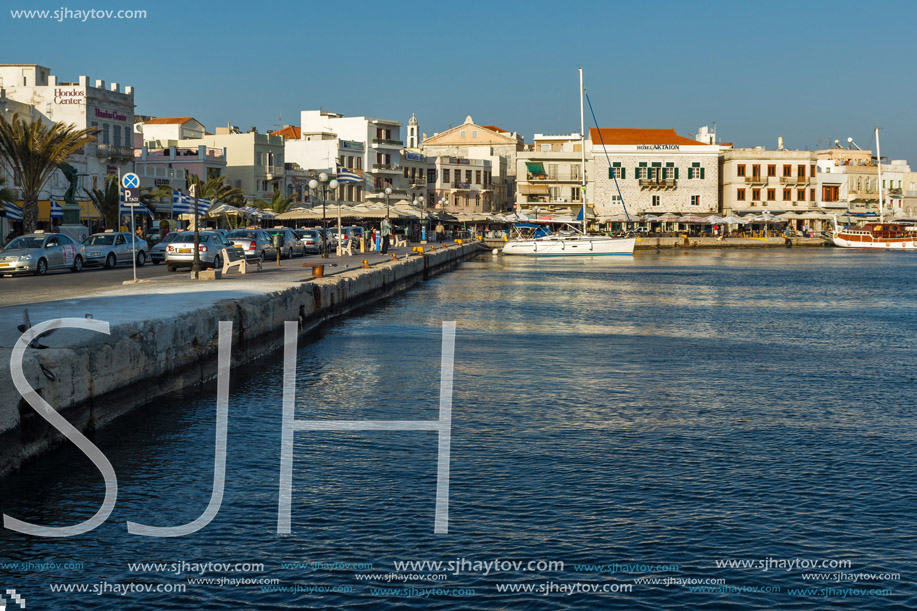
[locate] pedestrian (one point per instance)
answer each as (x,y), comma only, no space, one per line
(439,231)
(386,234)
(139,232)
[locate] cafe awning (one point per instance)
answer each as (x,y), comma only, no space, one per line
(533,189)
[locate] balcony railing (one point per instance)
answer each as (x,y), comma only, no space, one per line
(756,179)
(386,167)
(274,170)
(794,180)
(657,182)
(895,191)
(115,152)
(387,141)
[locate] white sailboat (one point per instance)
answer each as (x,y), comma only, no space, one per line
(881,235)
(583,244)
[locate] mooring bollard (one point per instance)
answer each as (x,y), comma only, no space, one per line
(365,264)
(318,271)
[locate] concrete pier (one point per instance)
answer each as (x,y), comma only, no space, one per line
(164,338)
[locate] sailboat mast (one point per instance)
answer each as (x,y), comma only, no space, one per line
(582,132)
(879,161)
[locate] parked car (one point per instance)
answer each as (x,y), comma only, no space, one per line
(311,240)
(158,252)
(36,253)
(351,232)
(111,247)
(256,243)
(291,242)
(180,252)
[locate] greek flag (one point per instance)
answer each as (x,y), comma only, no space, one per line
(13,212)
(345,175)
(181,203)
(57,211)
(203,206)
(136,208)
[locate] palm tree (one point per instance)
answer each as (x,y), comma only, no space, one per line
(108,201)
(33,150)
(215,189)
(278,205)
(7,195)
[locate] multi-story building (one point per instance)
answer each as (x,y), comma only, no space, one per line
(455,184)
(896,179)
(485,142)
(847,180)
(323,151)
(108,108)
(254,161)
(549,177)
(755,180)
(381,156)
(413,184)
(656,170)
(166,162)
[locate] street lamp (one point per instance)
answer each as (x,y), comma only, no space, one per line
(423,223)
(325,185)
(388,191)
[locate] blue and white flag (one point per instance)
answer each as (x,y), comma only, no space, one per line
(13,212)
(203,206)
(57,211)
(345,175)
(181,203)
(136,209)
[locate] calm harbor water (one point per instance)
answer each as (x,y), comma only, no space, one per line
(653,418)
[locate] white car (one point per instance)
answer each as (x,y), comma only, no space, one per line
(36,253)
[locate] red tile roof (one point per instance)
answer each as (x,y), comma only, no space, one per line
(639,136)
(290,132)
(169,120)
(494,128)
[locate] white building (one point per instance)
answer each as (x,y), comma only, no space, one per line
(323,151)
(657,171)
(549,176)
(169,128)
(109,108)
(381,138)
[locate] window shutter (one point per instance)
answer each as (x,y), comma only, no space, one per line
(611,173)
(702,172)
(622,173)
(676,173)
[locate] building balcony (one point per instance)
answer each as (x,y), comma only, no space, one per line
(794,180)
(552,178)
(658,183)
(115,152)
(386,168)
(757,180)
(895,191)
(384,142)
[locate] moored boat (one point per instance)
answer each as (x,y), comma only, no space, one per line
(885,236)
(567,246)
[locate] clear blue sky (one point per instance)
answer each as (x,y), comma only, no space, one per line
(807,71)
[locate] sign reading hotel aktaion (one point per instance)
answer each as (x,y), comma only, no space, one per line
(658,147)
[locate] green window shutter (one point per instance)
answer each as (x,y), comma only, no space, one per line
(702,172)
(623,171)
(676,173)
(611,173)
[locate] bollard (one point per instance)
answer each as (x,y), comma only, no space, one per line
(394,257)
(318,271)
(365,264)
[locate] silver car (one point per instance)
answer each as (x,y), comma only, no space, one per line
(36,253)
(180,252)
(311,240)
(291,242)
(158,251)
(255,243)
(111,247)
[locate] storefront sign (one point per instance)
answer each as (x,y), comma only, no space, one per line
(110,114)
(658,147)
(69,96)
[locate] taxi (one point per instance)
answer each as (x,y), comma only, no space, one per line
(37,253)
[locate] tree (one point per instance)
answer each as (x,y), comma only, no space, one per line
(278,204)
(108,201)
(33,150)
(7,195)
(216,190)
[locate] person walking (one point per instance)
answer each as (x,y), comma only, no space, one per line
(386,234)
(439,231)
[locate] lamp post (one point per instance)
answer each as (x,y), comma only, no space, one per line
(423,223)
(388,191)
(325,185)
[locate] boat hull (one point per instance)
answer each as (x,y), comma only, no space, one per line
(571,247)
(859,241)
